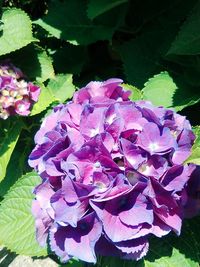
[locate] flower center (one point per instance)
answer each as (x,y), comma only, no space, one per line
(101,186)
(144,168)
(97,164)
(122,202)
(94,132)
(21,107)
(153,146)
(133,177)
(120,163)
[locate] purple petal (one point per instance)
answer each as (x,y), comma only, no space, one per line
(152,140)
(192,206)
(57,238)
(176,177)
(138,210)
(134,249)
(85,235)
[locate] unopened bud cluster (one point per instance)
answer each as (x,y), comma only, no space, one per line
(16,94)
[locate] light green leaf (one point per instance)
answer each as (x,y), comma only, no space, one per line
(195,156)
(46,66)
(58,89)
(45,99)
(17,227)
(9,134)
(187,41)
(160,90)
(17,30)
(98,7)
(136,93)
(176,259)
(61,87)
(61,23)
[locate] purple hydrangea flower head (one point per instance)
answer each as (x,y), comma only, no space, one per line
(112,174)
(16,94)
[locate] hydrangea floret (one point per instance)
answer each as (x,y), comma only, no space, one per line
(112,174)
(16,94)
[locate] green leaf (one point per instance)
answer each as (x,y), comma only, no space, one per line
(19,157)
(187,41)
(70,59)
(117,262)
(136,93)
(17,30)
(61,87)
(161,90)
(9,134)
(153,28)
(45,99)
(17,227)
(141,56)
(176,259)
(176,251)
(46,67)
(34,62)
(98,7)
(62,23)
(160,85)
(168,251)
(195,156)
(73,263)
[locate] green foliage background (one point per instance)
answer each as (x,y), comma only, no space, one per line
(154,46)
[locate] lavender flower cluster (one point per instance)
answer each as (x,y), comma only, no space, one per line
(112,174)
(16,95)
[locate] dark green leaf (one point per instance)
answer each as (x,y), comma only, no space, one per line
(187,41)
(63,23)
(141,56)
(98,7)
(70,59)
(73,263)
(34,62)
(176,251)
(156,29)
(117,262)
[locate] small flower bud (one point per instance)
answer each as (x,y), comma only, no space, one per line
(5,92)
